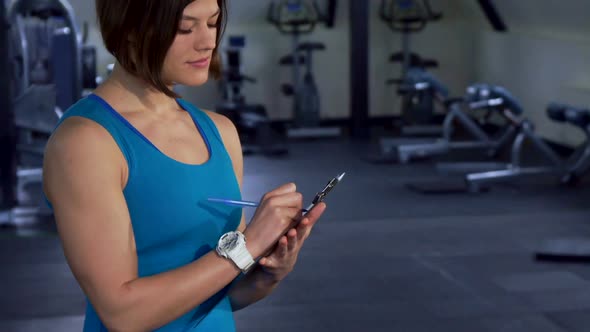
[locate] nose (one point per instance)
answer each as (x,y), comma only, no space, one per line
(206,39)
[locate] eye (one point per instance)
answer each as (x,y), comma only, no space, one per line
(184,32)
(212,24)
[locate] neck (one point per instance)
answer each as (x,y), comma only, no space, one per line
(133,94)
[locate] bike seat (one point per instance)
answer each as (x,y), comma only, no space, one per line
(287,60)
(311,46)
(567,113)
(411,19)
(415,60)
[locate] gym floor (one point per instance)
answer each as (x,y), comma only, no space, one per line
(383,258)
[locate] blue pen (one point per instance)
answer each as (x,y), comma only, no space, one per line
(317,199)
(234,202)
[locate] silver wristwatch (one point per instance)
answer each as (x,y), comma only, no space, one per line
(232,245)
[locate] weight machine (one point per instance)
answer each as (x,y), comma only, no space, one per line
(49,68)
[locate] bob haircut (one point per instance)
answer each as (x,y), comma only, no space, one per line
(138,33)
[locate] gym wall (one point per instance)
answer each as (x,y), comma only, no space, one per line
(544,57)
(450,41)
(265,45)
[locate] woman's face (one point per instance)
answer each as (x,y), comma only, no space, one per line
(188,59)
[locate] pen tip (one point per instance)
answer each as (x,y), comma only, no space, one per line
(341,176)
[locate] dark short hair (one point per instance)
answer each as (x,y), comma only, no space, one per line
(152,26)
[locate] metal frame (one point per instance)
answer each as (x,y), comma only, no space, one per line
(407,150)
(567,168)
(37,98)
(579,161)
(475,181)
(303,126)
(408,26)
(13,13)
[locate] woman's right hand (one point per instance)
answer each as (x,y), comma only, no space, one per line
(279,210)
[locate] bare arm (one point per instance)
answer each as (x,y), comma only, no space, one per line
(84,174)
(256,285)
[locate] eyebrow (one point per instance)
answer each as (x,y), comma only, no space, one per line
(192,18)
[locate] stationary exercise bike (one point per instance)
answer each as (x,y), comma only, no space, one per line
(251,120)
(418,105)
(296,18)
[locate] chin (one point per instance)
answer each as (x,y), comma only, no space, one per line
(193,80)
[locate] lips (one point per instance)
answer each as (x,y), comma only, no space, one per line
(199,63)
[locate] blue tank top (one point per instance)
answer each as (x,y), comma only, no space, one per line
(172,221)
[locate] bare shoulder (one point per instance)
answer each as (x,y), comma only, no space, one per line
(79,137)
(80,144)
(223,123)
(227,130)
(231,140)
(75,131)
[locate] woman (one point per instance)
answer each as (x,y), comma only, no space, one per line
(128,172)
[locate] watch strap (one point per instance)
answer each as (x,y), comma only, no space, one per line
(242,258)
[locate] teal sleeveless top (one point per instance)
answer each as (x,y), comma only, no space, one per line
(172,220)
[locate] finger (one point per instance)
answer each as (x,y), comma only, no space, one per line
(283,247)
(292,199)
(306,225)
(267,262)
(283,189)
(292,240)
(315,213)
(292,216)
(303,229)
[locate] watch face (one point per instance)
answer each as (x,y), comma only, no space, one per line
(230,241)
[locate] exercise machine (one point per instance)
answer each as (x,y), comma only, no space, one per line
(407,150)
(49,68)
(570,249)
(251,120)
(418,105)
(297,18)
(579,163)
(476,100)
(568,169)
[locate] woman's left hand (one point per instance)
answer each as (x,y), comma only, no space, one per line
(281,261)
